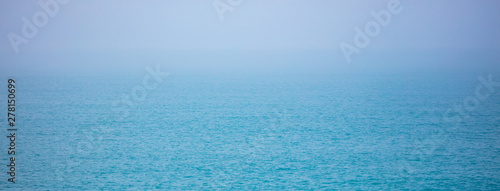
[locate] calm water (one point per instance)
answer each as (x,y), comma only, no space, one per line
(255,132)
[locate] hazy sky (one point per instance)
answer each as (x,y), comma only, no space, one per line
(101,36)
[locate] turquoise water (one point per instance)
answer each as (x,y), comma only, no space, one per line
(255,132)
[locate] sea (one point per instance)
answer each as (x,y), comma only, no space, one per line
(255,132)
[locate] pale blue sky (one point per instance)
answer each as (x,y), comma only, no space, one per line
(187,35)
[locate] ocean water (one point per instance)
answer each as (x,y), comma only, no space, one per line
(255,132)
